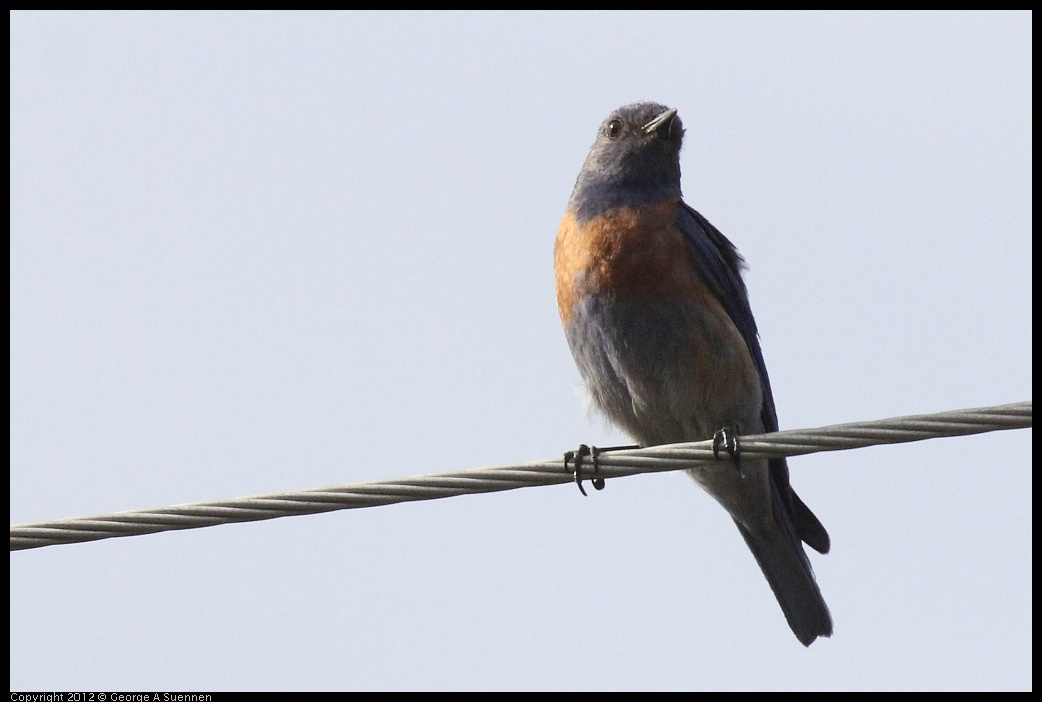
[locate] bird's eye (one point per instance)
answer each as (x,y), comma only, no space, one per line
(614,129)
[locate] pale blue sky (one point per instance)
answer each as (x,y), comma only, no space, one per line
(257,253)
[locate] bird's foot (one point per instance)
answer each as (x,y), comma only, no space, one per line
(727,439)
(579,456)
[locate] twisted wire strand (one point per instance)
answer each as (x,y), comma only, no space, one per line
(797,442)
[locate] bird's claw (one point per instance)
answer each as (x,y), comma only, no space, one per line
(577,458)
(727,439)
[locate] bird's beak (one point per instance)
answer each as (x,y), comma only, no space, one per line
(664,118)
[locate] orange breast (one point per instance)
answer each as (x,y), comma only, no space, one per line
(636,254)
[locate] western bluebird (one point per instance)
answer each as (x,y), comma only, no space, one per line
(657,316)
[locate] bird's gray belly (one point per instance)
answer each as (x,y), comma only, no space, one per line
(656,370)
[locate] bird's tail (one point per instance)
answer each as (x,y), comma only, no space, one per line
(784,563)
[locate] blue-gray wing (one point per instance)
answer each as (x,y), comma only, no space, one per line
(720,265)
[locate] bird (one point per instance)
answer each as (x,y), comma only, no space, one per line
(657,317)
